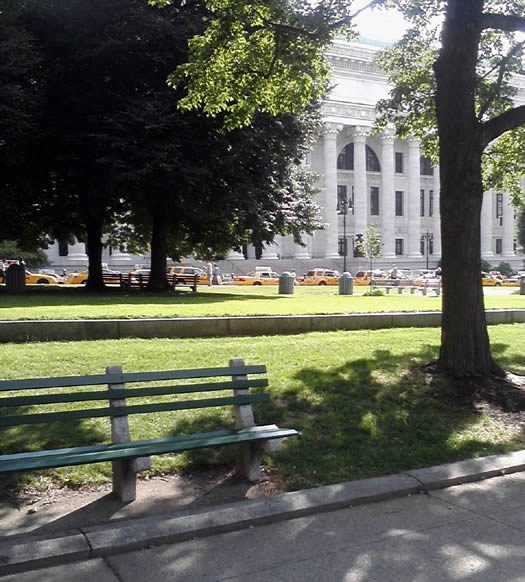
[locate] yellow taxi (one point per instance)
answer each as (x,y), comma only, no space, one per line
(321,277)
(110,277)
(43,278)
(365,277)
(489,280)
(257,278)
(202,277)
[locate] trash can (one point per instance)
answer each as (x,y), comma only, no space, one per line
(346,284)
(15,279)
(522,286)
(286,283)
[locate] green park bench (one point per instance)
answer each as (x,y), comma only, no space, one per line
(128,281)
(131,456)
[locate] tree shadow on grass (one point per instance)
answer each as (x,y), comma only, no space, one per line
(378,416)
(81,297)
(44,437)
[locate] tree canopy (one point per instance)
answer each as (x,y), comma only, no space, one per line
(452,78)
(120,160)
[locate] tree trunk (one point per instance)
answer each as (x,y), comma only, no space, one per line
(94,228)
(465,348)
(157,278)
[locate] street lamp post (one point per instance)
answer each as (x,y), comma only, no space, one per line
(343,209)
(428,238)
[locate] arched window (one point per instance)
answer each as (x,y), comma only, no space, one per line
(372,163)
(345,160)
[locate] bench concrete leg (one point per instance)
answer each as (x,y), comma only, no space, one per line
(124,481)
(250,459)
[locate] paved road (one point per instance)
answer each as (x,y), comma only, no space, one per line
(468,532)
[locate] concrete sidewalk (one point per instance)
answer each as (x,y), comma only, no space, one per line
(86,544)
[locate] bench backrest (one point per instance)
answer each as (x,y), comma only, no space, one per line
(13,413)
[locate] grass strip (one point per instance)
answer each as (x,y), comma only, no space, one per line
(360,399)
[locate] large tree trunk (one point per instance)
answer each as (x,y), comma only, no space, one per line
(94,245)
(157,278)
(465,348)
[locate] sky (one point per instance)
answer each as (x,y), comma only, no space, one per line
(380,24)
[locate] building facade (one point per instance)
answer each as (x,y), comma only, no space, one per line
(365,180)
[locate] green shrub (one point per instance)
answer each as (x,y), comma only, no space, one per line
(374,293)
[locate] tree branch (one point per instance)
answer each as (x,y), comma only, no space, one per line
(506,22)
(348,19)
(508,120)
(517,48)
(332,26)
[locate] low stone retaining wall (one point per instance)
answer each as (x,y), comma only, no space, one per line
(68,330)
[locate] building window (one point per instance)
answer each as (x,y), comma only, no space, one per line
(63,250)
(499,246)
(345,160)
(341,197)
(499,208)
(399,246)
(421,203)
(372,162)
(399,162)
(422,245)
(431,202)
(499,205)
(431,246)
(374,201)
(425,166)
(399,203)
(341,244)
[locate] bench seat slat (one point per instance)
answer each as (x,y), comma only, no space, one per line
(132,450)
(65,381)
(46,417)
(55,398)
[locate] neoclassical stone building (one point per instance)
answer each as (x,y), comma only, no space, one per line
(380,180)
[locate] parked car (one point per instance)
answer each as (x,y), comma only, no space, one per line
(80,278)
(365,277)
(202,277)
(257,278)
(489,281)
(43,279)
(321,277)
(428,278)
(513,281)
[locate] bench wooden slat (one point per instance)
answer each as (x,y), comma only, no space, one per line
(101,447)
(131,392)
(65,381)
(170,444)
(17,420)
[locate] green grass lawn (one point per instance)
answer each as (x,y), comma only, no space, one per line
(360,399)
(75,303)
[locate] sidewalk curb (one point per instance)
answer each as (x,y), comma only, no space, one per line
(31,552)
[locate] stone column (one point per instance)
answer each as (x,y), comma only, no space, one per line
(118,257)
(77,253)
(436,219)
(360,187)
(235,256)
(486,225)
(386,199)
(302,252)
(414,185)
(508,227)
(269,252)
(328,237)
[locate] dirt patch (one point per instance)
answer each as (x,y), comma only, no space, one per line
(60,509)
(500,397)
